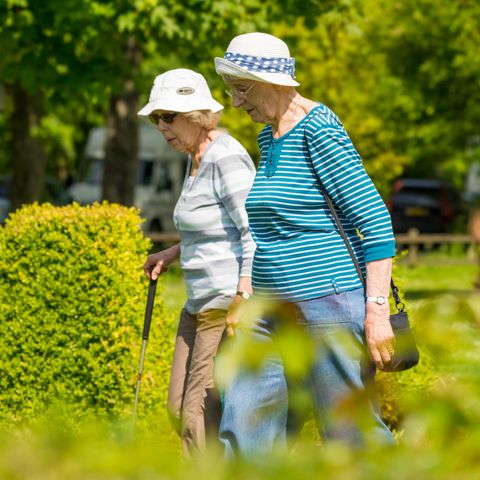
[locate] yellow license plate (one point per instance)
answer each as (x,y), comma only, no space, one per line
(416,212)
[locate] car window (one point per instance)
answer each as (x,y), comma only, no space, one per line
(428,192)
(145,172)
(95,172)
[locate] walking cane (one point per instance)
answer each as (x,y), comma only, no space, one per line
(146,331)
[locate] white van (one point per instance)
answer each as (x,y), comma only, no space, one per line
(160,177)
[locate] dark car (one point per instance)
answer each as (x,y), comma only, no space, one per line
(430,206)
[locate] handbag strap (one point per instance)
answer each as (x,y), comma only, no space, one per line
(398,302)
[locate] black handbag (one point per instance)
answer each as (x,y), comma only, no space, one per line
(406,352)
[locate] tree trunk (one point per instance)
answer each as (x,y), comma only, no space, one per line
(28,157)
(121,152)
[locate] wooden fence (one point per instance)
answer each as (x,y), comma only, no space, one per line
(414,242)
(163,237)
(417,244)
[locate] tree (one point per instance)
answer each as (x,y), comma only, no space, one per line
(43,62)
(92,51)
(403,78)
(431,48)
(192,29)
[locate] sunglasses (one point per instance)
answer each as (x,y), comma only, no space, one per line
(164,117)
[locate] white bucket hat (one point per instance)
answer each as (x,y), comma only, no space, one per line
(258,56)
(180,90)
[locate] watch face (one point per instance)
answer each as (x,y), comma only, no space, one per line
(378,300)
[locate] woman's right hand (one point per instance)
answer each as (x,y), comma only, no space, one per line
(157,263)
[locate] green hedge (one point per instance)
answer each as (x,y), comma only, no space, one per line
(72,301)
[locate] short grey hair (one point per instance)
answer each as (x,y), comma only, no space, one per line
(205,118)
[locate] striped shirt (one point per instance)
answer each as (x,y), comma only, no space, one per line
(300,254)
(216,245)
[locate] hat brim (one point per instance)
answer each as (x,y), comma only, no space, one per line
(225,67)
(183,106)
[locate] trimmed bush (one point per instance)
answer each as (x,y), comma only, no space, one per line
(72,301)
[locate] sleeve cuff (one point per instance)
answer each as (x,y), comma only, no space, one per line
(379,251)
(246,268)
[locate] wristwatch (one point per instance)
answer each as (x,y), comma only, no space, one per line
(244,295)
(379,300)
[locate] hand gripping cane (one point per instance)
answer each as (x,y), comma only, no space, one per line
(146,331)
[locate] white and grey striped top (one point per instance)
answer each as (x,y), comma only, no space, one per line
(216,245)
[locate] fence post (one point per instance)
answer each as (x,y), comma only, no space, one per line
(471,254)
(412,255)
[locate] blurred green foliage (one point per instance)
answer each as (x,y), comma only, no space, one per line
(77,54)
(403,76)
(438,437)
(72,296)
(72,301)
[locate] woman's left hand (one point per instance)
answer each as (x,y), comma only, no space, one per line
(234,311)
(379,333)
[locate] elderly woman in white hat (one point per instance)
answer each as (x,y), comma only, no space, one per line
(216,248)
(301,259)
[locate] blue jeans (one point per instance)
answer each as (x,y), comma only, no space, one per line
(256,404)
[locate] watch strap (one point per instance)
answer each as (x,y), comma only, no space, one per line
(244,295)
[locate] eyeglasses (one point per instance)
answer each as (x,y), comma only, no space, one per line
(164,117)
(239,92)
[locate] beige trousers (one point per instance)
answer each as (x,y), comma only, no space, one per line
(193,402)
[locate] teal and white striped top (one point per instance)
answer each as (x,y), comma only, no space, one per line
(300,254)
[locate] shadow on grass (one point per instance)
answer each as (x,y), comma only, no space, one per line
(422,294)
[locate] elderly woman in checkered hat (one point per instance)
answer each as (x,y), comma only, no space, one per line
(301,260)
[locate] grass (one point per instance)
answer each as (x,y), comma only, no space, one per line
(174,294)
(440,432)
(425,283)
(436,279)
(419,283)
